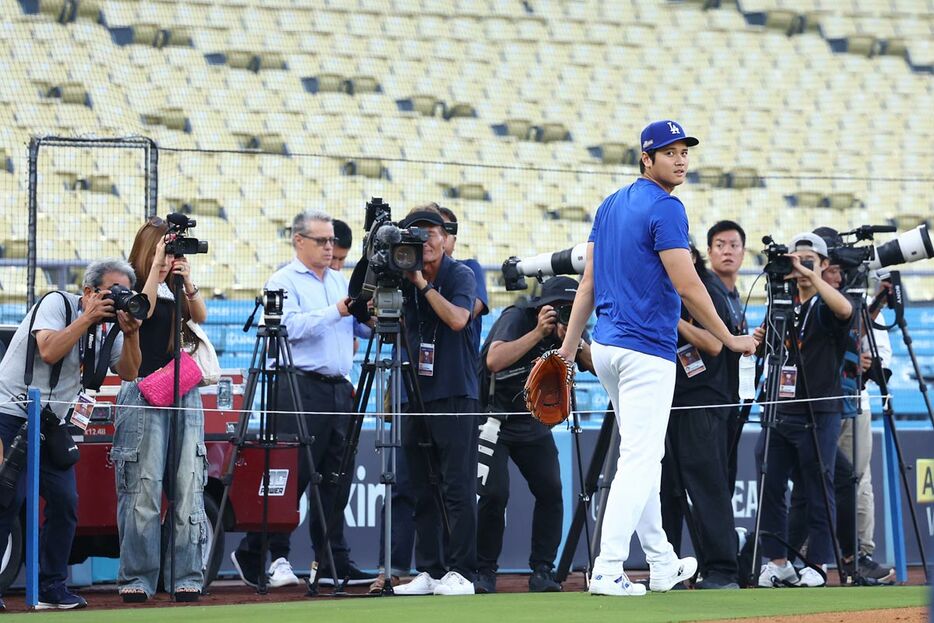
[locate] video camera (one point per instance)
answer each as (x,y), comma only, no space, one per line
(181,244)
(389,251)
(778,266)
(911,246)
(567,262)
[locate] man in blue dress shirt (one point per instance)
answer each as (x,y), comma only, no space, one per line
(321,333)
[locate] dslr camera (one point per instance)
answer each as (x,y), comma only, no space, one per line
(133,303)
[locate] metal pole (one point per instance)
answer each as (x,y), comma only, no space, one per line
(32,499)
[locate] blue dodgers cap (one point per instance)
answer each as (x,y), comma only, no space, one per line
(660,133)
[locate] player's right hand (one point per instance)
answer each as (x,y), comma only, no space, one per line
(745,344)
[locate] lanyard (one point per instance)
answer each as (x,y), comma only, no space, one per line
(421,323)
(811,305)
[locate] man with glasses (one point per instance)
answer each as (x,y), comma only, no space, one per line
(321,332)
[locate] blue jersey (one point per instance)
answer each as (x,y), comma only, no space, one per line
(636,303)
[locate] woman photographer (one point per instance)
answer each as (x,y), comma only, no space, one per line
(141,437)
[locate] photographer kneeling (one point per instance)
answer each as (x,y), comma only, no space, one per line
(518,337)
(439,303)
(62,326)
(821,331)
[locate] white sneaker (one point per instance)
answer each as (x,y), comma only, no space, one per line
(810,578)
(664,578)
(281,574)
(617,585)
(453,583)
(422,584)
(773,576)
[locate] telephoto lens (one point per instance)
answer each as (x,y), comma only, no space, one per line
(12,466)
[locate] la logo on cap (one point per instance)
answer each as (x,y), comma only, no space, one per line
(674,129)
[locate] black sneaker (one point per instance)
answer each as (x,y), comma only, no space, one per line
(353,575)
(717,582)
(542,580)
(60,598)
(249,575)
(871,570)
(485,582)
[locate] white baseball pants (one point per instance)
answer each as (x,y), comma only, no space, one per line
(640,387)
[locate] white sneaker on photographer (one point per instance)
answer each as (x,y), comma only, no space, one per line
(810,578)
(421,584)
(453,583)
(281,574)
(774,576)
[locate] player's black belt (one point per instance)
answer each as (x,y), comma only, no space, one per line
(324,378)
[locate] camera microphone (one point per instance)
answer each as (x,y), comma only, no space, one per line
(180,220)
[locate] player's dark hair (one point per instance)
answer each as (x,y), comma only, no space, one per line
(651,153)
(721,226)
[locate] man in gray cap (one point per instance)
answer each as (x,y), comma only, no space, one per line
(821,330)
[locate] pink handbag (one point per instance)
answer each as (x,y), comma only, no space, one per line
(159,387)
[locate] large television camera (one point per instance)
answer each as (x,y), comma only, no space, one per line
(911,246)
(389,251)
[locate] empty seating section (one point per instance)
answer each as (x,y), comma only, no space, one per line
(520,116)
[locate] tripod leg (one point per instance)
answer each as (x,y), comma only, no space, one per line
(305,442)
(577,431)
(588,489)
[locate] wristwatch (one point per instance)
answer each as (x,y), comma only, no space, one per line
(422,291)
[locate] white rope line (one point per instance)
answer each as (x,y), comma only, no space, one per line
(384,414)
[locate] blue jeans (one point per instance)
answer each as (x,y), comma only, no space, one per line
(59,490)
(140,454)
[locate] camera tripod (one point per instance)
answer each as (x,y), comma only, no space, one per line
(865,324)
(780,331)
(598,476)
(388,332)
(272,338)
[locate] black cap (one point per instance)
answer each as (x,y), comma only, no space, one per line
(422,216)
(555,289)
(830,235)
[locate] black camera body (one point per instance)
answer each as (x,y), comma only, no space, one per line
(182,244)
(133,303)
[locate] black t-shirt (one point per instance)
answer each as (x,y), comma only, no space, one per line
(512,324)
(712,386)
(822,340)
(736,324)
(154,336)
(455,352)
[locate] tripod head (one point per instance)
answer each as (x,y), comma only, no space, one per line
(272,302)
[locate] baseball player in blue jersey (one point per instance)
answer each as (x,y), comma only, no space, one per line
(638,272)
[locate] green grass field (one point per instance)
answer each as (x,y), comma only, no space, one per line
(674,606)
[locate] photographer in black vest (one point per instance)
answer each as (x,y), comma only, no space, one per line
(521,334)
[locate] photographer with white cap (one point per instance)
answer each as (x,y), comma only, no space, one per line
(821,330)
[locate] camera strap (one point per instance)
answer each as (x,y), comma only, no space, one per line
(31,344)
(92,376)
